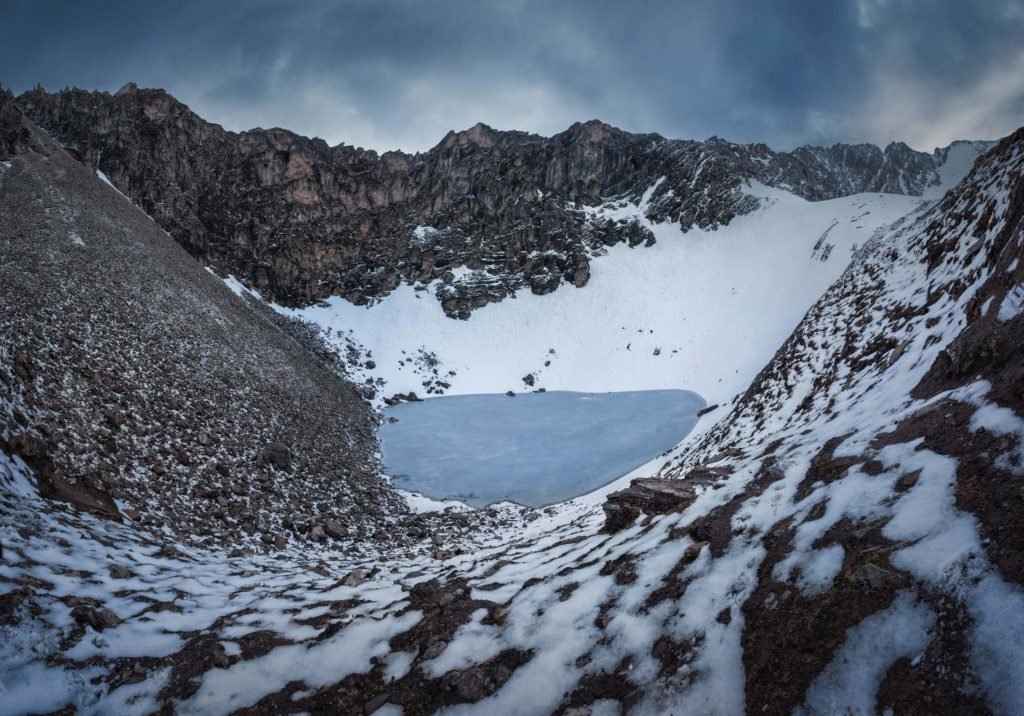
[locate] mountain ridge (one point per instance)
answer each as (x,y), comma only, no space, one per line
(299,221)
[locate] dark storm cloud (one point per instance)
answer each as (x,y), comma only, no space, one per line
(396,73)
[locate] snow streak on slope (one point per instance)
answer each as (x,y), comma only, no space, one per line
(702,310)
(957,160)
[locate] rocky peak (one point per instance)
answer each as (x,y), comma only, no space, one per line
(593,131)
(127,88)
(479,135)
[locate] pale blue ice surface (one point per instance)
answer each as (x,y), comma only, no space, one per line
(535,448)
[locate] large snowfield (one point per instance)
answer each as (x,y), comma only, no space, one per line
(700,310)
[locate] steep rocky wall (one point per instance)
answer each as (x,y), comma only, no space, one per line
(299,220)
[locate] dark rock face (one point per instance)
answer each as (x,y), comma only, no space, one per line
(300,220)
(14,137)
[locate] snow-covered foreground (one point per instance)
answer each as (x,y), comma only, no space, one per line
(702,310)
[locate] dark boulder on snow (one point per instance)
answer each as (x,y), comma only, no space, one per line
(99,618)
(279,456)
(653,496)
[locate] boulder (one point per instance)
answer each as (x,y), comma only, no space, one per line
(99,618)
(652,496)
(335,529)
(278,455)
(354,578)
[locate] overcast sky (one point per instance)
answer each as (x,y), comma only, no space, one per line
(390,74)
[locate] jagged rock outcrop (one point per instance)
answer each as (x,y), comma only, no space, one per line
(483,214)
(655,496)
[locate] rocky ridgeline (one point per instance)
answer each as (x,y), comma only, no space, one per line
(483,214)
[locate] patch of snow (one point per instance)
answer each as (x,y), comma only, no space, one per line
(348,652)
(473,643)
(1012,304)
(421,504)
(985,306)
(960,157)
(849,683)
(106,180)
(424,236)
(237,287)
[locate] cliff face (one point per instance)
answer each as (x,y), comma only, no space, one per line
(300,220)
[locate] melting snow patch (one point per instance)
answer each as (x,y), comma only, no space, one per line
(420,504)
(998,611)
(1013,303)
(472,644)
(850,682)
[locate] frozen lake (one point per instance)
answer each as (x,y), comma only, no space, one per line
(534,449)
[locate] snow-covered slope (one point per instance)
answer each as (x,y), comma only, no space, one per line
(701,310)
(954,163)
